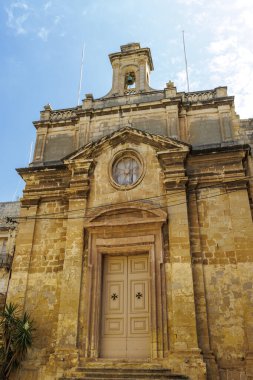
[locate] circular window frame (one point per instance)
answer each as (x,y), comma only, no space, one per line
(126,153)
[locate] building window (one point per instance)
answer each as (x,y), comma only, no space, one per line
(5,258)
(3,248)
(126,169)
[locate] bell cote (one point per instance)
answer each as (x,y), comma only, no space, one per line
(131,70)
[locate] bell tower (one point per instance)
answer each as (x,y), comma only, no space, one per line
(131,70)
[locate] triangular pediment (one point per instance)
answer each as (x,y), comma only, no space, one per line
(127,134)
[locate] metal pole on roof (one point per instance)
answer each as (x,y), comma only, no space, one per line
(30,154)
(186,66)
(81,76)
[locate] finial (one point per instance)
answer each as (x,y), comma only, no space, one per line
(47,107)
(170,84)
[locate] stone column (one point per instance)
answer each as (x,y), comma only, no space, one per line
(172,121)
(184,354)
(199,283)
(181,287)
(84,130)
(24,243)
(67,333)
(241,219)
(225,123)
(115,78)
(142,76)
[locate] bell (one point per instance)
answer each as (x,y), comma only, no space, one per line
(130,80)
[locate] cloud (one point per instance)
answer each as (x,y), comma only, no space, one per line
(233,67)
(47,5)
(200,17)
(219,46)
(43,33)
(181,80)
(226,31)
(57,19)
(231,55)
(190,2)
(17,13)
(40,24)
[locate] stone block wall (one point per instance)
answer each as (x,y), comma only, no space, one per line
(222,243)
(202,242)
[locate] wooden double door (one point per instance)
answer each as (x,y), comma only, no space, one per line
(126,307)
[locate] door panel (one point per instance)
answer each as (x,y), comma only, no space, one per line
(114,326)
(126,307)
(113,339)
(115,297)
(138,337)
(139,293)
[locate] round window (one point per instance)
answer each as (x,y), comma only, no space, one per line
(126,169)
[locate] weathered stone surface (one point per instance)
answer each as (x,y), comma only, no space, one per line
(188,210)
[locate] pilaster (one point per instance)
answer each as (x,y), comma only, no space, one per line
(172,121)
(243,242)
(24,243)
(225,122)
(221,237)
(199,283)
(67,333)
(184,348)
(84,129)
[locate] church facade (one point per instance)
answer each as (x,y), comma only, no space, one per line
(134,247)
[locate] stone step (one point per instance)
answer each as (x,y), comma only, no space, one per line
(123,374)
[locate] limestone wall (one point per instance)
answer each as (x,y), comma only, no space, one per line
(150,189)
(221,244)
(199,241)
(37,267)
(203,118)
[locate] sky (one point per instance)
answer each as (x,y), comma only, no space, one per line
(41,47)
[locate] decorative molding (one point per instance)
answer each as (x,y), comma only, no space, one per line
(173,165)
(199,96)
(79,185)
(62,115)
(130,154)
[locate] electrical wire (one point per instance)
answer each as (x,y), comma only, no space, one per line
(153,205)
(221,185)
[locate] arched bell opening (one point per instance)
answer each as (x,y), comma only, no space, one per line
(130,80)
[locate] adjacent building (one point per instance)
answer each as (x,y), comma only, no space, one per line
(8,229)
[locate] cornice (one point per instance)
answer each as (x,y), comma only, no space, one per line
(140,51)
(99,107)
(220,148)
(223,167)
(172,162)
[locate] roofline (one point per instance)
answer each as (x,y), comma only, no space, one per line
(126,128)
(194,150)
(212,148)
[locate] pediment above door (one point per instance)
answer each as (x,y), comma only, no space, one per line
(128,214)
